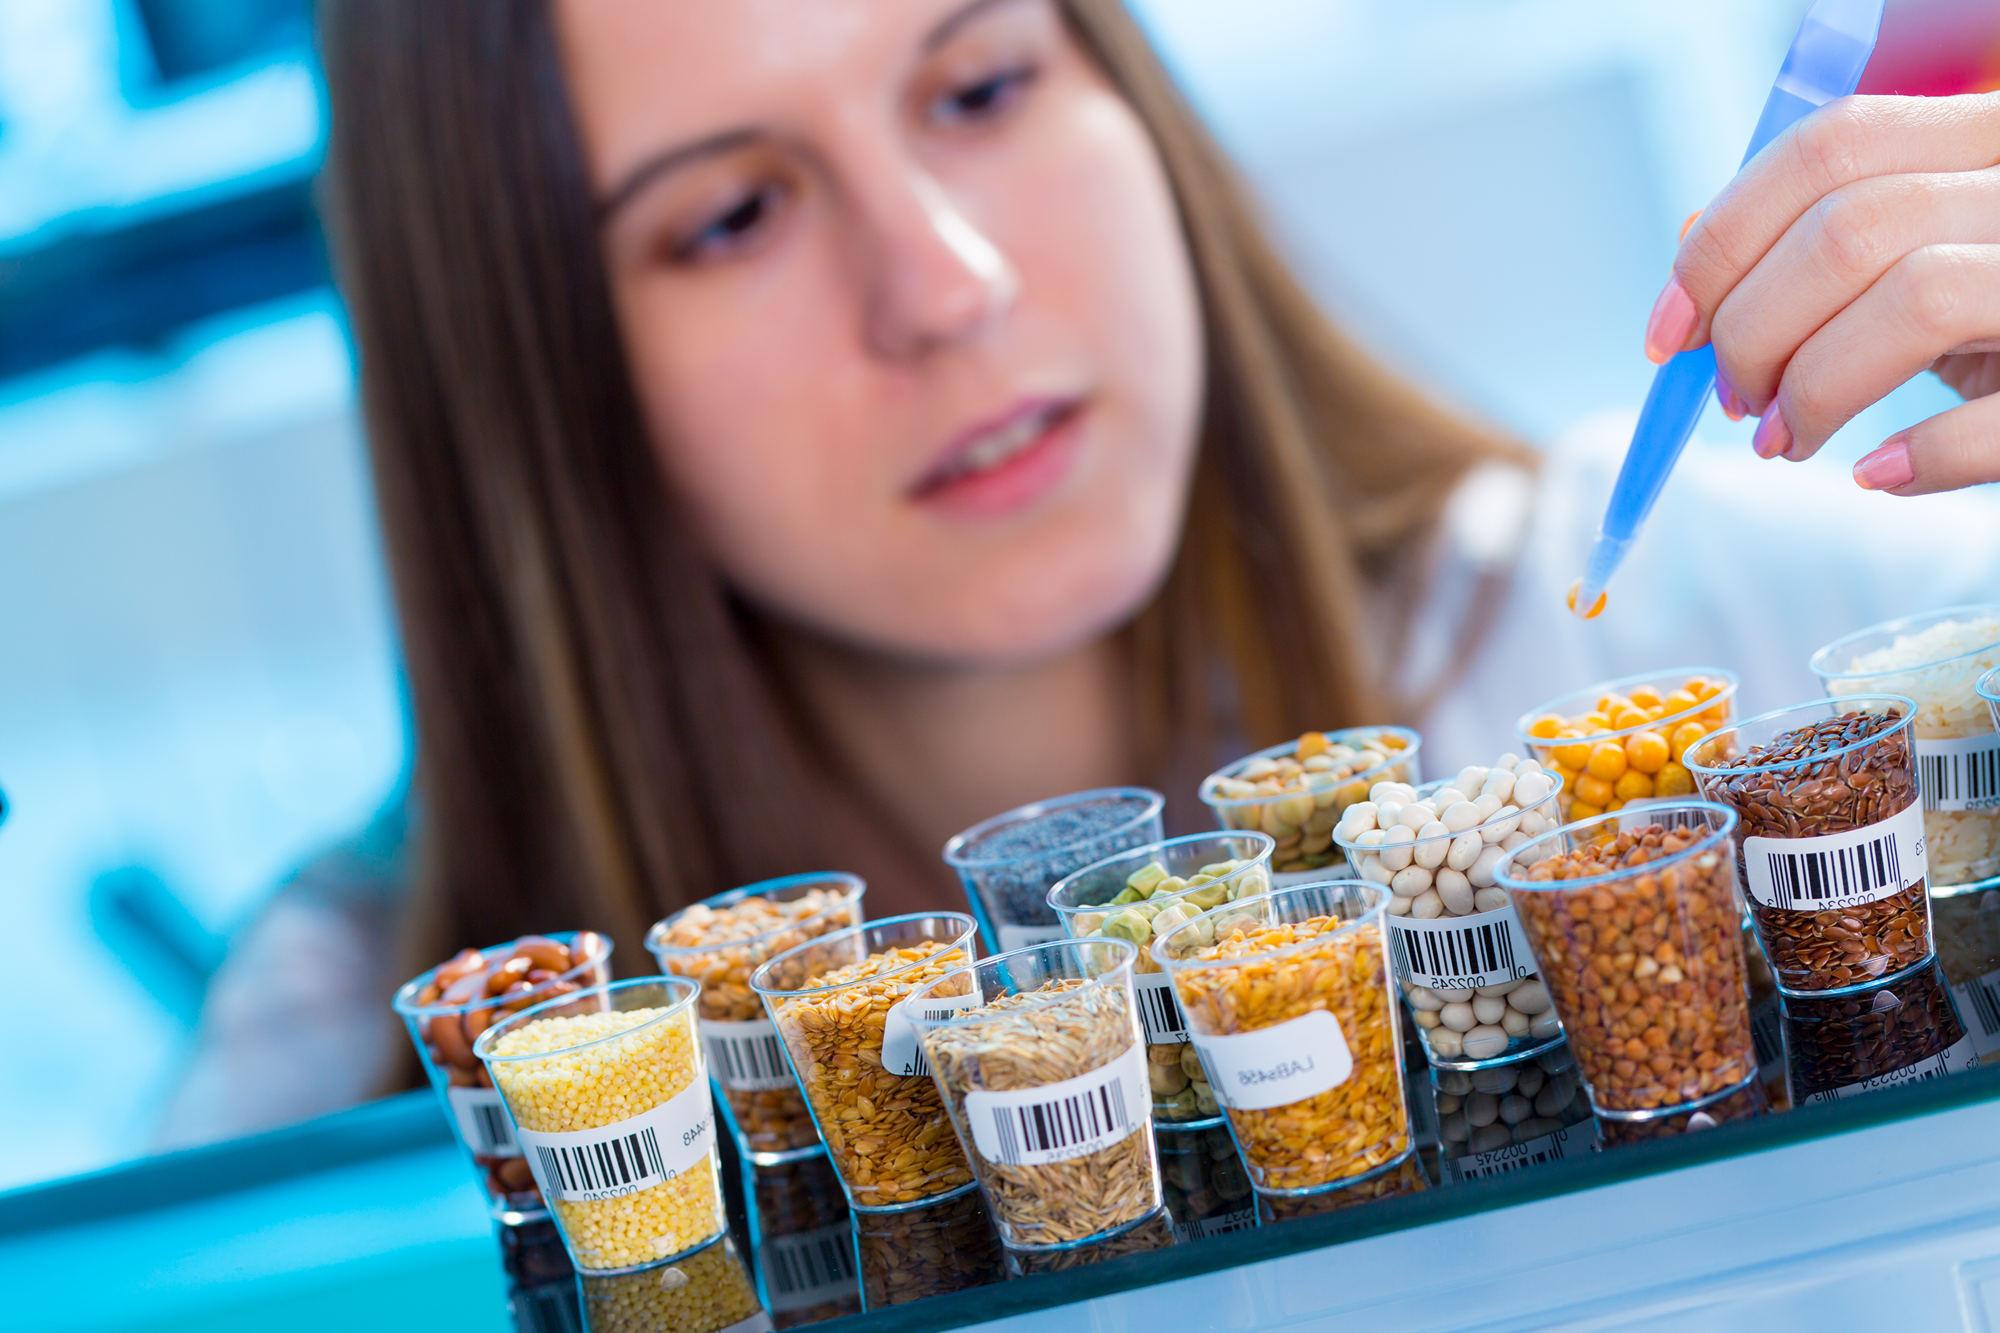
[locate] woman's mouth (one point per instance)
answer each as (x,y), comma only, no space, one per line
(1007,464)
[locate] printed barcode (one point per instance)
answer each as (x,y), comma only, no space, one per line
(1809,878)
(1161,1013)
(1474,951)
(493,1130)
(814,1264)
(1960,780)
(754,1062)
(1471,1169)
(1673,819)
(604,1170)
(1985,1001)
(1058,1125)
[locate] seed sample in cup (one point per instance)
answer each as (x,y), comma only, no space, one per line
(1153,1232)
(1290,1008)
(1904,1032)
(1746,1103)
(1634,917)
(449,1007)
(1459,955)
(720,942)
(1045,1079)
(613,1111)
(706,1292)
(1831,846)
(1008,863)
(1937,659)
(1626,740)
(1145,893)
(1297,792)
(837,1002)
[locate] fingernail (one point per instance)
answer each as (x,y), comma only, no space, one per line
(1773,436)
(1688,226)
(1671,324)
(1887,468)
(1725,393)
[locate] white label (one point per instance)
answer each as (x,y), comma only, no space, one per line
(1159,1009)
(1954,1058)
(902,1053)
(1020,937)
(633,1154)
(745,1057)
(1835,870)
(1961,774)
(1979,1001)
(482,1121)
(1278,1065)
(1059,1122)
(1571,1141)
(1461,952)
(808,1268)
(1240,1219)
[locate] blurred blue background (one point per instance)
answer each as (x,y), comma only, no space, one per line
(198,669)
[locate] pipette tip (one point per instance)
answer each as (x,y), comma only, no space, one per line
(1587,597)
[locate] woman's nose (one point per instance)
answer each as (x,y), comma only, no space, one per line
(936,279)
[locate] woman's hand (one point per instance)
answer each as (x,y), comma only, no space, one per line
(1858,250)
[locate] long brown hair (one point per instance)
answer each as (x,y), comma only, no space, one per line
(586,690)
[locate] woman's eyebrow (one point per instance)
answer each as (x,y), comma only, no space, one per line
(958,18)
(652,168)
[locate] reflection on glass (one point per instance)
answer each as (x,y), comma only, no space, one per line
(1207,1190)
(801,1244)
(704,1292)
(1745,1103)
(1405,1175)
(1510,1117)
(1155,1231)
(541,1284)
(926,1251)
(1905,1032)
(1967,927)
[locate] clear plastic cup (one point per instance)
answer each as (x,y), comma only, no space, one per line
(1831,847)
(1101,901)
(1907,1031)
(1746,1103)
(1512,1117)
(1461,961)
(1645,754)
(1288,999)
(1938,659)
(611,1104)
(446,1009)
(1009,862)
(1645,959)
(912,1254)
(837,1002)
(1154,1231)
(1403,1176)
(708,1291)
(1041,1061)
(717,943)
(1300,818)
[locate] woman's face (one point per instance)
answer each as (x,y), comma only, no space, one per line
(907,307)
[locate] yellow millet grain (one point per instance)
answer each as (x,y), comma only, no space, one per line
(707,1291)
(601,1085)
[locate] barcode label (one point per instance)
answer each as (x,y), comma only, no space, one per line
(1238,1219)
(1059,1122)
(1836,870)
(482,1122)
(902,1052)
(1278,1065)
(1020,937)
(809,1268)
(745,1057)
(1460,952)
(633,1154)
(1159,1009)
(1961,774)
(1979,1000)
(1571,1141)
(1699,820)
(1957,1057)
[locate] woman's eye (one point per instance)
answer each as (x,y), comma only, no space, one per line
(733,229)
(984,99)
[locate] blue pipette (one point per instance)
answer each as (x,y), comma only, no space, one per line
(1825,62)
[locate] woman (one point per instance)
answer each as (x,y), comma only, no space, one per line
(802,430)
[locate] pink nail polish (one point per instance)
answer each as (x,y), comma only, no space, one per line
(1773,436)
(1725,393)
(1671,324)
(1887,468)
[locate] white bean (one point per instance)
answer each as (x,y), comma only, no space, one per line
(1399,906)
(1444,798)
(1410,882)
(1428,906)
(1481,1109)
(1396,848)
(1504,822)
(1487,806)
(1545,1025)
(1485,869)
(1425,1018)
(1360,817)
(1460,816)
(1458,1016)
(1451,994)
(1498,783)
(1531,788)
(1433,841)
(1484,1042)
(1388,813)
(1464,850)
(1423,997)
(1512,841)
(1516,1023)
(1456,890)
(1533,823)
(1446,1043)
(1489,900)
(1531,997)
(1415,815)
(1488,1008)
(1509,761)
(1498,988)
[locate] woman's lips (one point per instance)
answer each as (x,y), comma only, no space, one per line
(1007,466)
